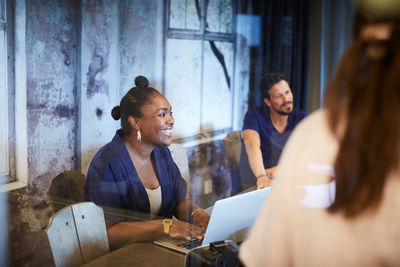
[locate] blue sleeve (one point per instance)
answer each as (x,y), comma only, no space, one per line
(103,189)
(250,121)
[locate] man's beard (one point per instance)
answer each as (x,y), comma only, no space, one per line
(284,113)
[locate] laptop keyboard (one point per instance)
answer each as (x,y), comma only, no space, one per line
(191,243)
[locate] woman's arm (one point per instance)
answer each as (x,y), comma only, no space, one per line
(188,211)
(123,233)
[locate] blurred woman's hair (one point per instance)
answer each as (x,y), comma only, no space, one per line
(132,103)
(363,104)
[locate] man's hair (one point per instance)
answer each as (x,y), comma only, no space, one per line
(268,80)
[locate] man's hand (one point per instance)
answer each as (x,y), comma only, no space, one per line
(271,171)
(263,182)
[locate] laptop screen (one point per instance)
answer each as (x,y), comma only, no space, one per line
(232,217)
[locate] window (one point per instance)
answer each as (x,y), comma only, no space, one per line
(204,30)
(4,131)
(13,142)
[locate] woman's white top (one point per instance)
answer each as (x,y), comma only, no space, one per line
(155,199)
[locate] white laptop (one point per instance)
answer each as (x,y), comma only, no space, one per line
(230,219)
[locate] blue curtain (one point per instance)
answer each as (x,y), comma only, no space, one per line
(284,48)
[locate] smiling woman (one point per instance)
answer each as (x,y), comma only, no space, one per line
(135,172)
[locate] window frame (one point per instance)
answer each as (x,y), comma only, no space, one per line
(4,90)
(203,35)
(16,86)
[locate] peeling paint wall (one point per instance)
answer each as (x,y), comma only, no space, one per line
(81,58)
(52,112)
(99,59)
(51,85)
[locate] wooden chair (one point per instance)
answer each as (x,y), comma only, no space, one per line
(180,157)
(77,234)
(233,147)
(65,189)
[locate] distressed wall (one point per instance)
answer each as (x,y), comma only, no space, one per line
(51,64)
(82,56)
(99,59)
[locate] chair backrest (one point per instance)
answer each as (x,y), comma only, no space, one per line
(233,147)
(241,174)
(180,157)
(77,234)
(65,189)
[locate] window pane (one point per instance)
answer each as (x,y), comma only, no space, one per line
(2,5)
(217,114)
(183,15)
(220,16)
(3,107)
(183,84)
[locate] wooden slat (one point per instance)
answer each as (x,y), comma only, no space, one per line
(91,230)
(63,240)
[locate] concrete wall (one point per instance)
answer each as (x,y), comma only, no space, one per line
(52,42)
(81,57)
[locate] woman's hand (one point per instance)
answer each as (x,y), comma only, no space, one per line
(185,230)
(201,218)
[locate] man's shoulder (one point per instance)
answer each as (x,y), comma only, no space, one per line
(256,110)
(255,118)
(299,114)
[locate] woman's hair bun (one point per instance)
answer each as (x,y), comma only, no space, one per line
(141,81)
(116,113)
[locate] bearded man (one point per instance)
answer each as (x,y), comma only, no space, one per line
(267,128)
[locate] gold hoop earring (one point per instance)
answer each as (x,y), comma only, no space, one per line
(138,136)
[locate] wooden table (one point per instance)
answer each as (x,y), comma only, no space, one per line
(144,253)
(140,254)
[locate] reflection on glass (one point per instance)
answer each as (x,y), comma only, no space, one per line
(219,16)
(183,15)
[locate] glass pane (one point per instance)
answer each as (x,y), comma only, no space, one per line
(192,16)
(3,107)
(2,5)
(182,84)
(183,15)
(220,16)
(217,96)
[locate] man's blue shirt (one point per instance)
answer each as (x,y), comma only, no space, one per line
(112,180)
(272,142)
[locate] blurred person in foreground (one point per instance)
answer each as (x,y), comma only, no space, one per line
(136,172)
(336,197)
